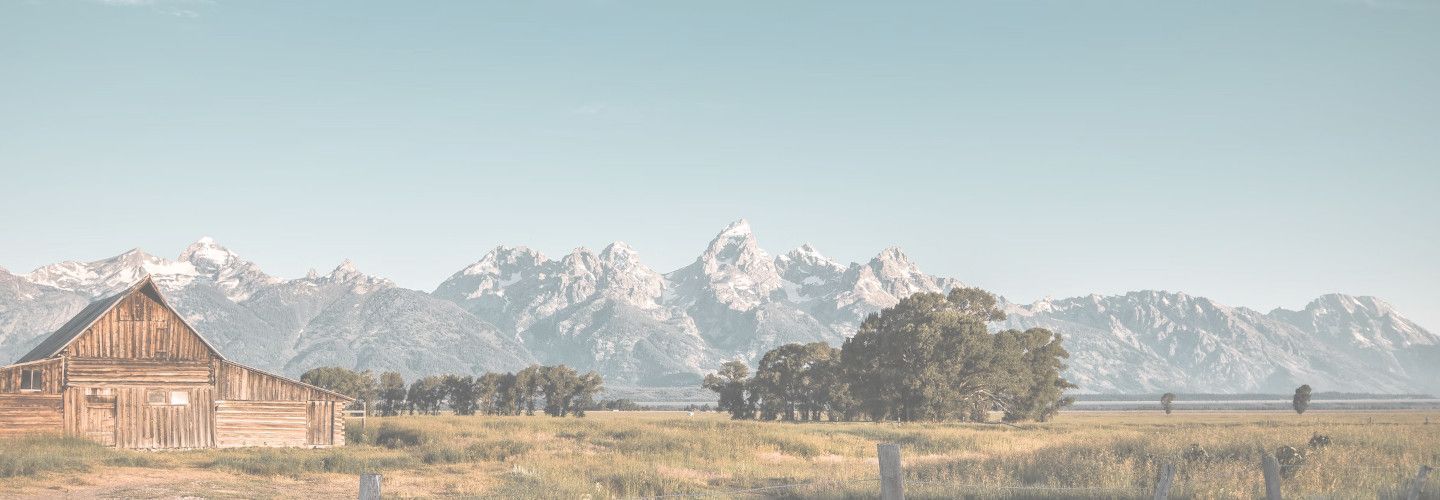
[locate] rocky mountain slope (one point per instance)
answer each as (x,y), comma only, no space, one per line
(610,312)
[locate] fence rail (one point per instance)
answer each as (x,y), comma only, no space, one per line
(893,482)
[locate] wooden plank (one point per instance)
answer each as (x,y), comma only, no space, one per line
(261,423)
(30,413)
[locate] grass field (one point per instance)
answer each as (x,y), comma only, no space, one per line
(621,455)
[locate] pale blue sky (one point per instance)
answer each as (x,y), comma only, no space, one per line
(1257,152)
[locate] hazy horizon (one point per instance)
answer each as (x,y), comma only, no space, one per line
(1259,154)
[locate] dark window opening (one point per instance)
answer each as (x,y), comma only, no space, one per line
(32,380)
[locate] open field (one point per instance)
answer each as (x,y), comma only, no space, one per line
(617,455)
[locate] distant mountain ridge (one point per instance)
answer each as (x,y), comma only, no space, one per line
(610,312)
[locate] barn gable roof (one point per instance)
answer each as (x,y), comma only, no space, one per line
(72,329)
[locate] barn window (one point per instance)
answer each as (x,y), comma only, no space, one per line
(32,380)
(155,397)
(179,398)
(99,391)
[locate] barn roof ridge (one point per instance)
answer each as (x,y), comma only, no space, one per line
(87,317)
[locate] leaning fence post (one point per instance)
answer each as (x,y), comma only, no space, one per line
(1418,487)
(1167,478)
(369,487)
(1272,476)
(892,478)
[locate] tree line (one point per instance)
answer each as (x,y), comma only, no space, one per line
(930,357)
(556,390)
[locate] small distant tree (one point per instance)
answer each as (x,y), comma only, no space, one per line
(1168,402)
(730,384)
(1302,399)
(391,394)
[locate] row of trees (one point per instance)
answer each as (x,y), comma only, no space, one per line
(930,357)
(556,390)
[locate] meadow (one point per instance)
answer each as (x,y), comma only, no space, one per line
(646,454)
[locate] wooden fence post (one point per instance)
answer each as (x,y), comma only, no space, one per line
(1418,487)
(1167,479)
(892,477)
(369,487)
(1272,476)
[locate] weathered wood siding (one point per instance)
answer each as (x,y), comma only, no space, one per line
(139,327)
(261,423)
(140,424)
(30,413)
(340,423)
(107,371)
(52,371)
(241,383)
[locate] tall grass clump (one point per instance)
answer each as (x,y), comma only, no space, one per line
(296,462)
(29,456)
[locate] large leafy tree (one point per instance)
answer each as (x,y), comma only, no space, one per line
(426,395)
(730,385)
(583,395)
(460,393)
(931,357)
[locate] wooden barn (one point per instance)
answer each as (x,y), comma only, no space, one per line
(128,371)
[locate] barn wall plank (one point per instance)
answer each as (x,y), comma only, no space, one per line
(31,413)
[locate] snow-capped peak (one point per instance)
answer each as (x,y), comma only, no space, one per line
(237,277)
(737,229)
(808,255)
(619,251)
(207,255)
(101,277)
(347,272)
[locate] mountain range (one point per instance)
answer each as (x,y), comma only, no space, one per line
(607,311)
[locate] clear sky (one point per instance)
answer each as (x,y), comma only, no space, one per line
(1257,152)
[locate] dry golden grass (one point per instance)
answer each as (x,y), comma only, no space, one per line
(621,455)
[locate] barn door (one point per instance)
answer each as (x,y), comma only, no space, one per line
(320,423)
(100,416)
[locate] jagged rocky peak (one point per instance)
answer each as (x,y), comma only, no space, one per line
(619,252)
(101,277)
(808,257)
(733,271)
(810,273)
(348,273)
(624,277)
(505,260)
(207,255)
(736,246)
(1361,320)
(238,278)
(1337,303)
